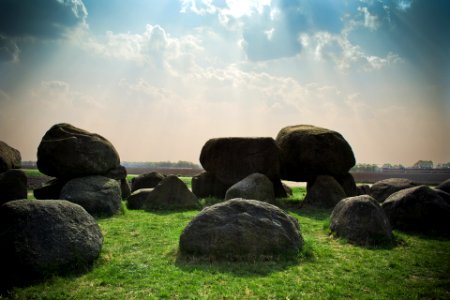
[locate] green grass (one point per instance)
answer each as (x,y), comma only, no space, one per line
(33,172)
(139,261)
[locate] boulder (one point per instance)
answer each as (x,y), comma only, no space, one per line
(118,173)
(68,152)
(207,185)
(45,238)
(241,229)
(148,180)
(170,194)
(308,151)
(324,192)
(287,189)
(381,190)
(99,195)
(255,186)
(347,182)
(13,185)
(50,189)
(418,209)
(445,196)
(444,186)
(232,159)
(361,220)
(9,158)
(363,189)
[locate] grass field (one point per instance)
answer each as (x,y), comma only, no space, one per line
(139,261)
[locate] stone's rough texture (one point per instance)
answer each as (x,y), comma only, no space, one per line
(170,193)
(118,173)
(43,238)
(9,158)
(50,189)
(148,180)
(240,228)
(99,195)
(13,185)
(324,192)
(207,185)
(363,189)
(347,182)
(68,152)
(444,186)
(232,159)
(308,151)
(419,209)
(381,190)
(256,186)
(361,220)
(124,188)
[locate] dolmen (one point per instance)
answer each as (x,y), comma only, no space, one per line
(86,167)
(13,182)
(40,239)
(241,229)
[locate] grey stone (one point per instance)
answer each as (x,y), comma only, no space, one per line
(207,185)
(147,180)
(13,185)
(255,186)
(444,186)
(241,229)
(40,239)
(324,192)
(361,220)
(99,195)
(10,157)
(382,189)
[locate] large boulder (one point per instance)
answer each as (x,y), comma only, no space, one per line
(13,185)
(207,185)
(42,238)
(418,209)
(234,158)
(147,180)
(240,228)
(170,194)
(444,186)
(99,195)
(308,151)
(68,152)
(382,189)
(347,182)
(361,220)
(324,192)
(50,189)
(363,189)
(9,157)
(124,188)
(255,186)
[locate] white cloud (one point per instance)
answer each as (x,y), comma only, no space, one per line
(370,21)
(269,33)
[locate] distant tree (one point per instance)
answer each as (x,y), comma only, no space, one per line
(443,165)
(423,164)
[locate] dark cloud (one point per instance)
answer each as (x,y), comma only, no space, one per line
(40,19)
(9,51)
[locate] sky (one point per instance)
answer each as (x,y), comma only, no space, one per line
(160,78)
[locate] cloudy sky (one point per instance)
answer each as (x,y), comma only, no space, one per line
(159,78)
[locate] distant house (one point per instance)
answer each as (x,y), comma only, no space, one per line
(423,164)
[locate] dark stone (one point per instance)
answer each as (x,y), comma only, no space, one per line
(256,187)
(287,189)
(40,239)
(418,209)
(50,189)
(361,220)
(99,195)
(445,196)
(68,152)
(309,151)
(347,182)
(241,229)
(124,188)
(148,180)
(232,159)
(9,158)
(381,190)
(324,192)
(207,185)
(118,173)
(13,185)
(444,186)
(170,194)
(363,189)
